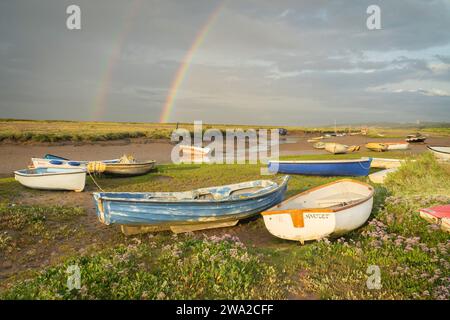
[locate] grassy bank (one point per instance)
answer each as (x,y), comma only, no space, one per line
(20,131)
(240,262)
(79,131)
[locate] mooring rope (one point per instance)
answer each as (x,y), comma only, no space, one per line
(95,182)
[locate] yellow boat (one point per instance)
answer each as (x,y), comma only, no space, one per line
(376,146)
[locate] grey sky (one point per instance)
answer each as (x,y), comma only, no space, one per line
(261,62)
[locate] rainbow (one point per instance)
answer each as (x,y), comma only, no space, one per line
(184,66)
(102,93)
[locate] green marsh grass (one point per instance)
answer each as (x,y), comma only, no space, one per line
(412,254)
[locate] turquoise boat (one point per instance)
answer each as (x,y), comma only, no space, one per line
(205,208)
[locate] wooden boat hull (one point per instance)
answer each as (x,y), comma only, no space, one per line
(440,152)
(126,169)
(439,215)
(52,179)
(380,176)
(178,211)
(358,167)
(335,148)
(375,146)
(326,211)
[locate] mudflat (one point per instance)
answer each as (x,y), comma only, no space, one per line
(15,156)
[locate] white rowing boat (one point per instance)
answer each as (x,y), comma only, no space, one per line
(329,210)
(52,178)
(397,145)
(384,163)
(441,152)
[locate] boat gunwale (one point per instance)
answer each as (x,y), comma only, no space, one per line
(363,159)
(434,150)
(98,197)
(325,209)
(32,175)
(129,165)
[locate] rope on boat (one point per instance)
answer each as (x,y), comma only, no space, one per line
(92,177)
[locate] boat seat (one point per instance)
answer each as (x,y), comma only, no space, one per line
(337,199)
(342,204)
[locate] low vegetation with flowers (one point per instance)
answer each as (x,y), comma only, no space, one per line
(245,262)
(188,268)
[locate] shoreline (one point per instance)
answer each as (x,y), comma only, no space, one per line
(15,156)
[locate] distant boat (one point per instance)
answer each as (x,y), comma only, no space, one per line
(415,138)
(335,148)
(380,176)
(205,208)
(396,145)
(319,145)
(315,139)
(52,161)
(439,215)
(376,146)
(188,149)
(329,210)
(52,178)
(193,153)
(127,166)
(441,152)
(343,167)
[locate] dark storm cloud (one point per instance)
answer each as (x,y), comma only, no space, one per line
(284,62)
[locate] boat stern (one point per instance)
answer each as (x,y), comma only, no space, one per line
(100,209)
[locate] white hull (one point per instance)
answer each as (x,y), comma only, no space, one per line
(380,176)
(384,163)
(397,146)
(442,153)
(69,180)
(331,210)
(335,148)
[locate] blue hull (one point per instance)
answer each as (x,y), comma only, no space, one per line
(139,208)
(323,168)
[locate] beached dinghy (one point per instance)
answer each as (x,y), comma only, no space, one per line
(199,209)
(376,146)
(127,166)
(193,153)
(415,138)
(335,148)
(319,145)
(439,215)
(52,161)
(52,178)
(329,210)
(380,176)
(344,167)
(441,152)
(385,163)
(397,145)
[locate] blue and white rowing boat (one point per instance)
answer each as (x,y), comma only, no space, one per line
(199,209)
(344,167)
(52,161)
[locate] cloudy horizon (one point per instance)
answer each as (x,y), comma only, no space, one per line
(260,61)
